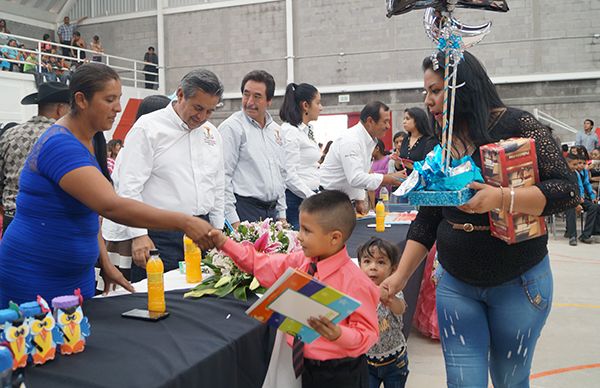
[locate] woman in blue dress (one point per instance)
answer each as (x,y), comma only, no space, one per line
(53,243)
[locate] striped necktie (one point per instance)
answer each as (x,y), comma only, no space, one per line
(298,346)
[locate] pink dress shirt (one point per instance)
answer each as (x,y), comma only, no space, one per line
(360,329)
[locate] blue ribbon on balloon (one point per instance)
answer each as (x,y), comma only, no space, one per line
(433,178)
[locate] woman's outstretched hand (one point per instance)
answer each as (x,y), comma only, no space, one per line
(390,287)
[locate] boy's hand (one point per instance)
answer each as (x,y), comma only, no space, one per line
(217,237)
(325,327)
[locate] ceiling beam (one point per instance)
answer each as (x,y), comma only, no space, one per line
(16,17)
(64,11)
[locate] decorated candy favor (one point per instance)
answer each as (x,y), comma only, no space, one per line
(70,320)
(430,185)
(15,335)
(45,335)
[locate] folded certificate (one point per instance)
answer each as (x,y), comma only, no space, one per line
(297,296)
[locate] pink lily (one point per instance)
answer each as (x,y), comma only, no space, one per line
(273,247)
(262,242)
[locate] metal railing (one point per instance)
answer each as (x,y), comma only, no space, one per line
(130,70)
(552,121)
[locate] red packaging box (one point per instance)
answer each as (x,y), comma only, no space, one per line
(512,163)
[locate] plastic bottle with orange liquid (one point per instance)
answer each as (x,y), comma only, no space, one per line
(156,284)
(193,259)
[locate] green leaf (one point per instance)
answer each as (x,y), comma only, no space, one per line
(226,290)
(260,290)
(254,284)
(240,293)
(199,293)
(223,281)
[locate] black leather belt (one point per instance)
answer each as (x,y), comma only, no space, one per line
(267,205)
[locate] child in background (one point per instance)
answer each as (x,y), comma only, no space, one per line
(388,360)
(589,201)
(337,358)
(577,164)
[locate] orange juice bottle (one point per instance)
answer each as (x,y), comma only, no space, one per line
(156,284)
(193,257)
(380,217)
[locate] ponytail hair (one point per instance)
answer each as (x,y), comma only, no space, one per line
(295,95)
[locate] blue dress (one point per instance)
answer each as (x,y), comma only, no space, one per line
(51,246)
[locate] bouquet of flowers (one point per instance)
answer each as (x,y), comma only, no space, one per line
(266,236)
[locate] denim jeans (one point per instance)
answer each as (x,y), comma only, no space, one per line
(493,328)
(292,212)
(393,375)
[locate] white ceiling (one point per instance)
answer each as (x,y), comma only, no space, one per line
(42,11)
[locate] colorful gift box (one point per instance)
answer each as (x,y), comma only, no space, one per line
(512,163)
(440,198)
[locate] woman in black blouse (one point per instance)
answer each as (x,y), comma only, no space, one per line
(420,140)
(492,298)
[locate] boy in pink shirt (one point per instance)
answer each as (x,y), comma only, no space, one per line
(337,358)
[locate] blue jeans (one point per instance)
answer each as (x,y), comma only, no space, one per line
(393,375)
(493,328)
(292,212)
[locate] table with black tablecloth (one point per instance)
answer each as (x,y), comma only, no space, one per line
(206,342)
(395,234)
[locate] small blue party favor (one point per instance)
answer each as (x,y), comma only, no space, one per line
(430,185)
(440,198)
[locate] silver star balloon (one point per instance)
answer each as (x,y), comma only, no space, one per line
(470,35)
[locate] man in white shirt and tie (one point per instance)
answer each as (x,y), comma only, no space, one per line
(173,160)
(348,162)
(254,170)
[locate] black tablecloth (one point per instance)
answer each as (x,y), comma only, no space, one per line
(196,346)
(397,235)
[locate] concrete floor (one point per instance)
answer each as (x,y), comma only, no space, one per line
(568,352)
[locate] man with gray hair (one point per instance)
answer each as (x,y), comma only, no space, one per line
(173,160)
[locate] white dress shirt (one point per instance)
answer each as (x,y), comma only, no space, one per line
(166,165)
(301,160)
(348,162)
(253,162)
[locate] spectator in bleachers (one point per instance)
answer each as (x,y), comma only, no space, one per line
(31,63)
(21,55)
(9,53)
(3,30)
(151,57)
(97,47)
(65,33)
(78,42)
(587,137)
(47,46)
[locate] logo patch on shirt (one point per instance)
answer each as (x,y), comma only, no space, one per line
(209,138)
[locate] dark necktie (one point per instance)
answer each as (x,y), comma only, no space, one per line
(298,346)
(311,134)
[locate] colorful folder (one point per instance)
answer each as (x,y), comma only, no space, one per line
(295,297)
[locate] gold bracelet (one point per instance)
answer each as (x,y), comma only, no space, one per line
(512,200)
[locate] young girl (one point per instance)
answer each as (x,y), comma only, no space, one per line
(387,359)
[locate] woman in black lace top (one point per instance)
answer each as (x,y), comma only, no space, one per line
(419,142)
(492,298)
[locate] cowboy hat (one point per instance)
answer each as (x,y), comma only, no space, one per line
(47,93)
